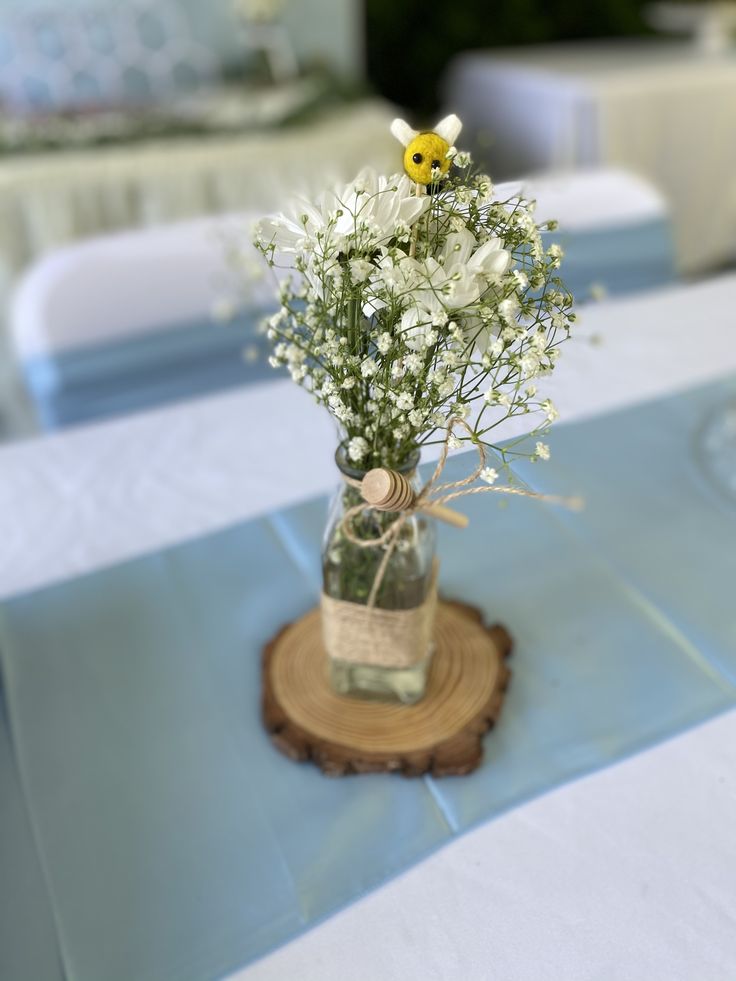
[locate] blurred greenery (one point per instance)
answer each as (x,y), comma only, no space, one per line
(410,42)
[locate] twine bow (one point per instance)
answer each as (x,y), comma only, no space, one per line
(434,495)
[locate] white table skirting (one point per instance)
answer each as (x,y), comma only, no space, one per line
(49,199)
(52,198)
(661,110)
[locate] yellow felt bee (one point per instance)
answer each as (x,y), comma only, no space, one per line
(427,151)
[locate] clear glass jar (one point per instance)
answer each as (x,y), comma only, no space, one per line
(349,573)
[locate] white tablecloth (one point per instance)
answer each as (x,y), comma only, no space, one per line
(661,110)
(627,874)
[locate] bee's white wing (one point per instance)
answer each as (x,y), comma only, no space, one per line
(449,128)
(403,131)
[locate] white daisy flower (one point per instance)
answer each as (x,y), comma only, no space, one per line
(363,214)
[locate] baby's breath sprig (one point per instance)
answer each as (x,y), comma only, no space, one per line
(399,311)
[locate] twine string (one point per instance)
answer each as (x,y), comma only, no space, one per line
(434,493)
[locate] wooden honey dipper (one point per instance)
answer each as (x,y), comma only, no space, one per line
(387,490)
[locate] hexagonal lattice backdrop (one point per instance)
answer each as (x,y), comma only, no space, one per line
(81,57)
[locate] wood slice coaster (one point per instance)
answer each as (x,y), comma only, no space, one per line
(440,735)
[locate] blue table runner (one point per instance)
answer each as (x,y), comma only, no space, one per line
(28,948)
(176,843)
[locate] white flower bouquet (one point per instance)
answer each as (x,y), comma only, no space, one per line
(417,308)
(404,310)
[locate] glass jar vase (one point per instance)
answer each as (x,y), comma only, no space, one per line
(378,599)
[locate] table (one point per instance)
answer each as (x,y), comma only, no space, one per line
(49,199)
(660,109)
(546,890)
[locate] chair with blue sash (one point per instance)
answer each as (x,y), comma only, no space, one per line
(614,229)
(128,321)
(124,322)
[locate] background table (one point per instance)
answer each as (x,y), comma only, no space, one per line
(627,873)
(659,109)
(49,199)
